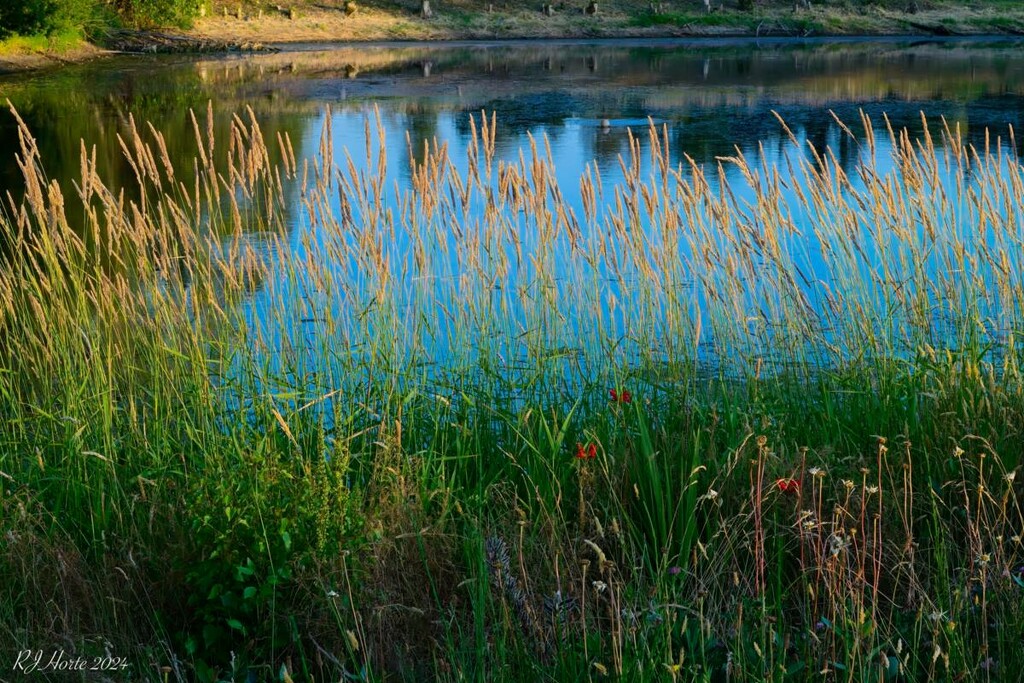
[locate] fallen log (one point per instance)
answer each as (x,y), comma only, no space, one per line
(157,42)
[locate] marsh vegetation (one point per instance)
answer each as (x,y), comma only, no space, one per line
(755,425)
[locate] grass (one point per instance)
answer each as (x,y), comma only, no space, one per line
(717,19)
(386,447)
(57,42)
(467,19)
(20,53)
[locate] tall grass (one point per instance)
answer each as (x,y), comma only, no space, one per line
(379,442)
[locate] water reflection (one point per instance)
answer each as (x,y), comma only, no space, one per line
(586,99)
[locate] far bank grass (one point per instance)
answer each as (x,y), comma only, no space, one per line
(248,22)
(624,18)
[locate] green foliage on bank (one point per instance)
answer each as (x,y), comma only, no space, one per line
(49,17)
(46,16)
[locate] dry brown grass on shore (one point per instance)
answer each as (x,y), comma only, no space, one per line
(315,24)
(243,25)
(455,20)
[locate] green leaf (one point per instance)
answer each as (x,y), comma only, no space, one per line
(211,634)
(244,570)
(236,624)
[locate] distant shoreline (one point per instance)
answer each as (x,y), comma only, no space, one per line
(319,23)
(246,29)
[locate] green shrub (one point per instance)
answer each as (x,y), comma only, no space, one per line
(149,13)
(45,16)
(253,521)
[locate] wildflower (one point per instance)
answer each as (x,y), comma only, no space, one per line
(816,472)
(788,485)
(588,453)
(624,397)
(837,544)
(674,570)
(599,586)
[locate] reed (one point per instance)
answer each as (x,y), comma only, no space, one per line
(289,420)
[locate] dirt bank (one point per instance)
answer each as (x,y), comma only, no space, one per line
(20,58)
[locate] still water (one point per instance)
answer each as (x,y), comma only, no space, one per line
(714,98)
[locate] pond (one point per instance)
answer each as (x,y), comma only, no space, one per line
(714,95)
(584,101)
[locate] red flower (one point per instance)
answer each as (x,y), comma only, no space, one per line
(624,397)
(589,453)
(788,486)
(580,453)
